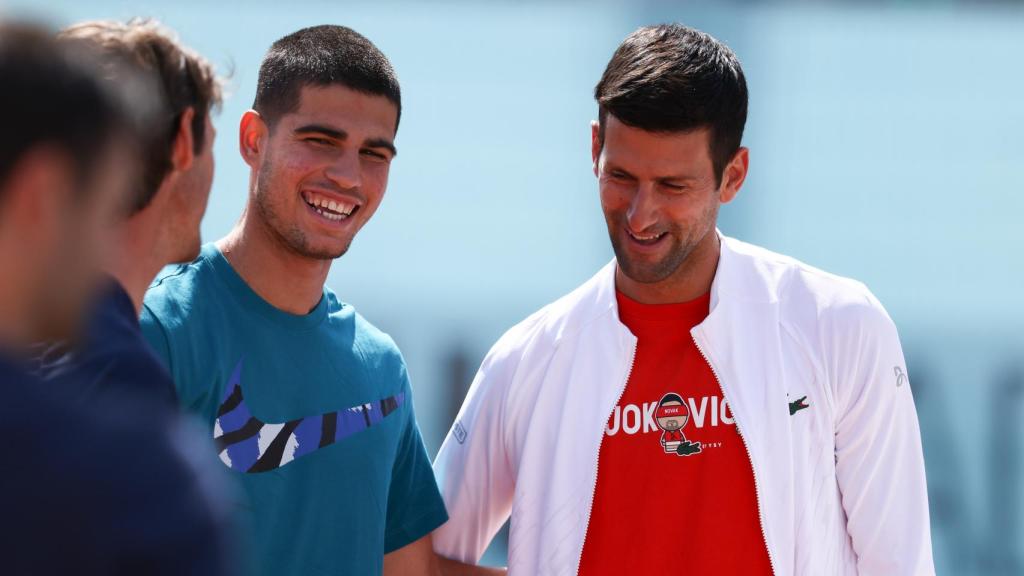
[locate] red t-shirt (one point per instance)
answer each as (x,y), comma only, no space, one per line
(675,491)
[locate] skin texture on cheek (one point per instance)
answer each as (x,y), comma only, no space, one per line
(684,235)
(272,207)
(279,204)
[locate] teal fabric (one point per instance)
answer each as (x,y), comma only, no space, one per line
(325,507)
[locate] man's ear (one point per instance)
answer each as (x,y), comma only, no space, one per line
(252,132)
(183,151)
(734,175)
(595,143)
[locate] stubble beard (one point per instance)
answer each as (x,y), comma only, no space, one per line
(684,243)
(290,236)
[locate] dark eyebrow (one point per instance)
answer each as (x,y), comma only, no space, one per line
(611,167)
(678,178)
(382,143)
(341,135)
(335,133)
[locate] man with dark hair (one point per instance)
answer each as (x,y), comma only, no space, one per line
(309,405)
(83,490)
(159,224)
(802,449)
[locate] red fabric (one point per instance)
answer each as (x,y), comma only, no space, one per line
(672,436)
(714,526)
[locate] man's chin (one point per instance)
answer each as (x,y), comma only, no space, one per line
(323,252)
(645,272)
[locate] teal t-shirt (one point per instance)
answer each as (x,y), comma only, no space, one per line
(313,415)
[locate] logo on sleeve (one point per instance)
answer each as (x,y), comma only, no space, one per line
(459,431)
(901,376)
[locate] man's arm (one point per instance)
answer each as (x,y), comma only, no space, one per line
(419,559)
(451,567)
(879,460)
(473,466)
(415,559)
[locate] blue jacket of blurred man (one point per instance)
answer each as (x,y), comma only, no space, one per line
(84,489)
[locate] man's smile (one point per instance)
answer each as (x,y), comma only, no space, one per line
(645,242)
(333,209)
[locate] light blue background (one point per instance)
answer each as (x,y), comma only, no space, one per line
(885,145)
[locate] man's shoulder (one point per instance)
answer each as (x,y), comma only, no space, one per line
(175,293)
(375,346)
(46,417)
(787,278)
(808,297)
(123,365)
(80,474)
(561,320)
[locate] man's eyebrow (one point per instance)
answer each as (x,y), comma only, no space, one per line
(382,143)
(613,167)
(341,135)
(678,178)
(335,133)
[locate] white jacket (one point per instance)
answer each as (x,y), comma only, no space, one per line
(841,488)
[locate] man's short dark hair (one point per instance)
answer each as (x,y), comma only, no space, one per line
(671,78)
(186,80)
(54,95)
(322,56)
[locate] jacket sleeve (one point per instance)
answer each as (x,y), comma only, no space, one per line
(879,460)
(473,466)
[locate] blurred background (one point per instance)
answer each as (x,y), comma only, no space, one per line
(886,144)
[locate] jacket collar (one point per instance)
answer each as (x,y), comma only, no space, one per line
(739,277)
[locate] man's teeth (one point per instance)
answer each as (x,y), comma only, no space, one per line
(646,238)
(330,209)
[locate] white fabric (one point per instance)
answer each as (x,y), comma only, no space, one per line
(841,484)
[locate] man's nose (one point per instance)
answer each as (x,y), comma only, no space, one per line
(346,170)
(643,209)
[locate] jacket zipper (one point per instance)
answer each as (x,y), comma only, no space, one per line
(597,460)
(746,448)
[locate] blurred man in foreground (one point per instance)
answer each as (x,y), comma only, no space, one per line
(159,224)
(701,404)
(83,490)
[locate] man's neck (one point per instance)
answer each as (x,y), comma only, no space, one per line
(17,321)
(691,280)
(136,259)
(15,333)
(288,281)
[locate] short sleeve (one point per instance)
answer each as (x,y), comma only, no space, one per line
(155,334)
(415,507)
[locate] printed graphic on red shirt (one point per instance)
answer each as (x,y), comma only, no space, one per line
(657,417)
(671,417)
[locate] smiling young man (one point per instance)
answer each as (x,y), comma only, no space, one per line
(701,404)
(308,404)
